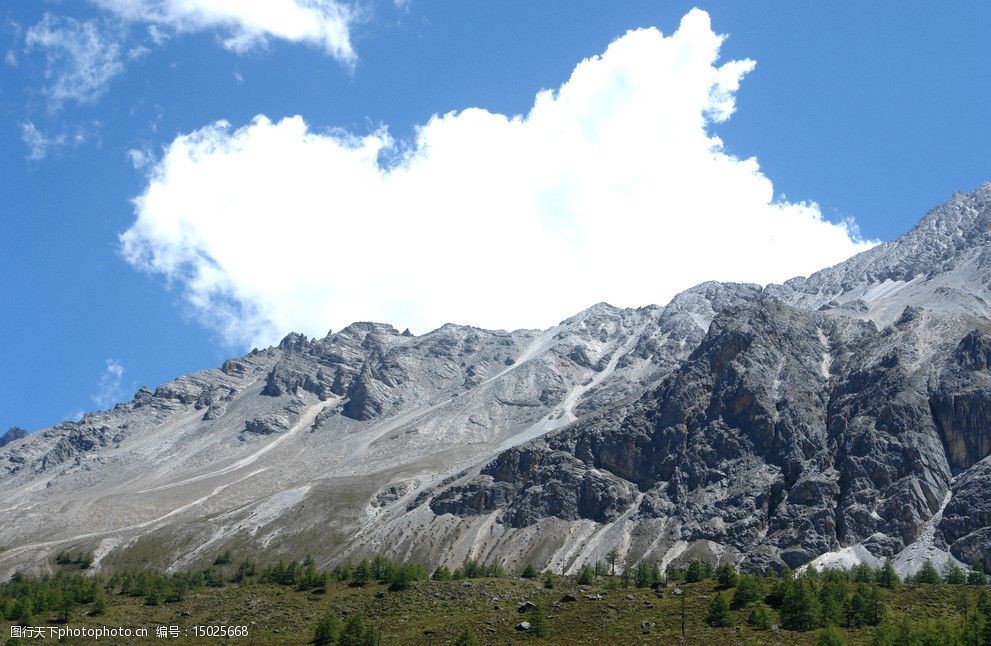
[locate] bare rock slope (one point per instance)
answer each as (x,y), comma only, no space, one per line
(847,413)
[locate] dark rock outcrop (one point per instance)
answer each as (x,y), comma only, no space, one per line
(13,433)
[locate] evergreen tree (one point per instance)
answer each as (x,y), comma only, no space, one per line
(800,608)
(864,607)
(585,576)
(927,574)
(831,636)
(643,576)
(472,569)
(953,574)
(984,603)
(862,573)
(549,580)
(67,605)
(727,576)
(362,574)
(974,627)
(888,577)
(761,617)
(696,572)
(984,608)
(719,615)
(781,588)
(748,590)
(326,631)
(99,603)
(466,638)
(832,596)
(24,611)
(538,622)
(976,576)
(441,574)
(245,571)
(356,633)
(529,572)
(612,557)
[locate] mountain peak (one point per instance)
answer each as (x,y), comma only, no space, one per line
(949,236)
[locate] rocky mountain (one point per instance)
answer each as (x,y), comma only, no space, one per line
(839,418)
(13,433)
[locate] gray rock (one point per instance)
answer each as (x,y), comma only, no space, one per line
(12,434)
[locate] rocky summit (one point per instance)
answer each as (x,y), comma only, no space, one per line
(835,419)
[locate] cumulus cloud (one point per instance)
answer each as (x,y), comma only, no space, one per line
(613,187)
(81,57)
(109,388)
(322,23)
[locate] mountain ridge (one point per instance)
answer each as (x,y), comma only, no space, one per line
(557,445)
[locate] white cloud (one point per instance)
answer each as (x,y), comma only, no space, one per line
(140,158)
(40,144)
(611,188)
(248,23)
(82,57)
(10,59)
(109,388)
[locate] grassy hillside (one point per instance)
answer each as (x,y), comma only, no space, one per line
(604,611)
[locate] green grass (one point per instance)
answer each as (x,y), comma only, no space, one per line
(433,612)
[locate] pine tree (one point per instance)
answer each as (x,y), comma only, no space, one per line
(99,603)
(24,610)
(586,576)
(927,574)
(326,631)
(538,622)
(864,607)
(549,580)
(781,588)
(953,574)
(974,627)
(727,576)
(719,615)
(748,590)
(888,577)
(362,574)
(529,572)
(356,633)
(862,573)
(696,572)
(66,607)
(800,608)
(832,596)
(611,558)
(642,576)
(443,574)
(761,617)
(976,576)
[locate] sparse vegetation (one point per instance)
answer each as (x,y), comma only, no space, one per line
(379,599)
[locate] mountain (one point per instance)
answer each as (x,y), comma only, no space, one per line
(13,433)
(839,418)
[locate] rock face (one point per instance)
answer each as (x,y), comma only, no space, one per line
(13,433)
(844,413)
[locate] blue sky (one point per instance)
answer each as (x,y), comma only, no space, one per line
(875,113)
